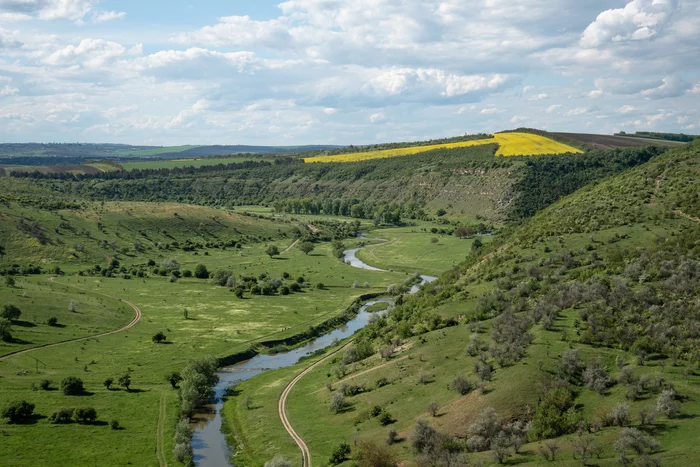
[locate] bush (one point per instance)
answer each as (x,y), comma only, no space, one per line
(18,411)
(64,415)
(173,378)
(667,404)
(85,415)
(386,419)
(201,272)
(461,385)
(114,424)
(45,384)
(5,330)
(337,403)
(295,287)
(108,382)
(371,454)
(10,312)
(158,338)
(285,290)
(620,416)
(53,321)
(125,381)
(340,454)
(72,386)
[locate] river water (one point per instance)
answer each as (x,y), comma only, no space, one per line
(208,443)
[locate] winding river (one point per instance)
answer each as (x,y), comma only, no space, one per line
(208,443)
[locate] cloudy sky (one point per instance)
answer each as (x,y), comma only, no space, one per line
(341,71)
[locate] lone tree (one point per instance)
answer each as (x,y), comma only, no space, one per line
(158,338)
(10,312)
(125,380)
(307,247)
(85,415)
(5,330)
(108,382)
(18,411)
(272,250)
(72,386)
(173,378)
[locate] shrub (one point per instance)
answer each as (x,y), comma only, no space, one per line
(64,415)
(320,286)
(295,287)
(636,441)
(555,415)
(18,411)
(461,385)
(72,386)
(340,454)
(125,381)
(391,437)
(620,416)
(666,403)
(424,436)
(306,247)
(285,290)
(85,415)
(114,424)
(337,403)
(201,272)
(108,382)
(272,250)
(173,378)
(10,312)
(5,330)
(386,419)
(433,408)
(371,454)
(45,384)
(159,337)
(53,321)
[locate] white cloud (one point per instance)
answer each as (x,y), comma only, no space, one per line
(553,107)
(490,111)
(377,117)
(625,109)
(90,52)
(638,20)
(673,86)
(695,90)
(8,90)
(109,16)
(539,97)
(578,111)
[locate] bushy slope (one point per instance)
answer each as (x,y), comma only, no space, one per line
(575,323)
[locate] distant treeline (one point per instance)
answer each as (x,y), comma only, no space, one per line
(548,178)
(148,173)
(349,207)
(665,136)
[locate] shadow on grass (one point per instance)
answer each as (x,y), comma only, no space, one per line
(33,420)
(23,324)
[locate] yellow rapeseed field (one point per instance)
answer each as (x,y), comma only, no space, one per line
(528,144)
(509,144)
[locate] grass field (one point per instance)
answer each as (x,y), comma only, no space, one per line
(156,151)
(411,249)
(219,324)
(509,144)
(177,163)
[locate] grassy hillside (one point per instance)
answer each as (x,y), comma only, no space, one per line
(580,323)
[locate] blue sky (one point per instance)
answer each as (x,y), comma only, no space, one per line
(340,72)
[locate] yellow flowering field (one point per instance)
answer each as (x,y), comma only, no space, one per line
(528,144)
(509,144)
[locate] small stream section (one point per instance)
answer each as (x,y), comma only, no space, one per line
(208,443)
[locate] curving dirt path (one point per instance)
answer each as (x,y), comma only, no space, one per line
(282,407)
(137,318)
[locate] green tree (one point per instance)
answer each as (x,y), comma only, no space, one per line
(125,381)
(18,411)
(272,250)
(5,330)
(108,382)
(10,281)
(340,454)
(10,312)
(306,247)
(201,272)
(477,244)
(72,386)
(85,415)
(173,378)
(159,337)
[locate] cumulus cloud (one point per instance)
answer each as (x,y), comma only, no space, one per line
(672,86)
(71,10)
(377,117)
(638,20)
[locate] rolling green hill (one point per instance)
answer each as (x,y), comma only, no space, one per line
(577,325)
